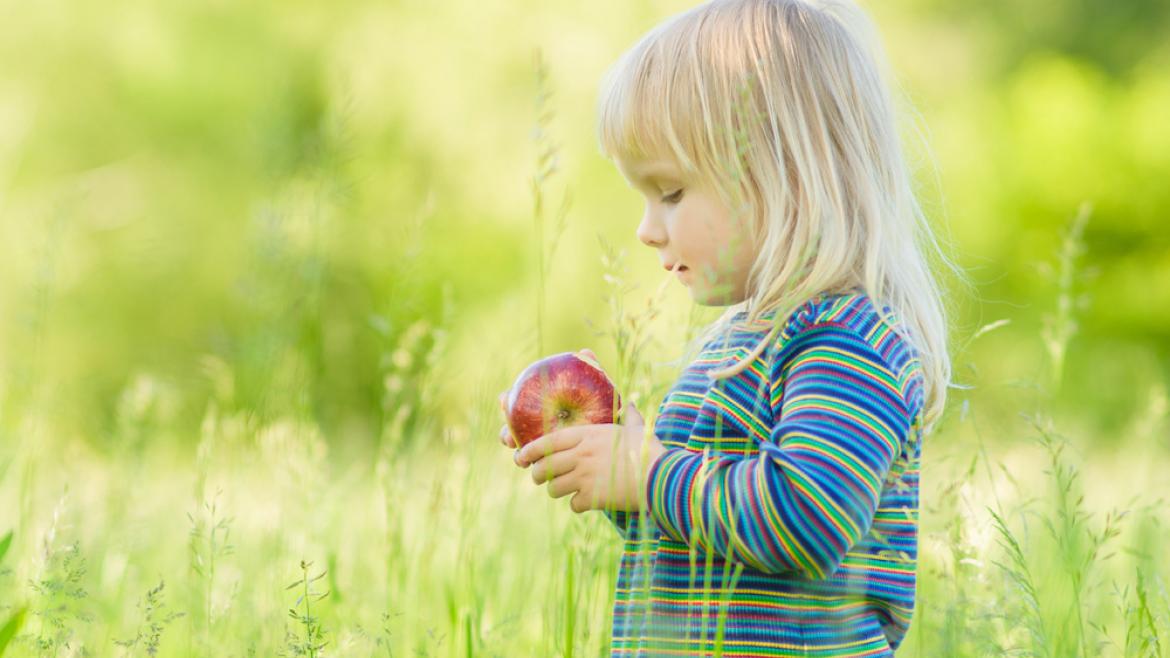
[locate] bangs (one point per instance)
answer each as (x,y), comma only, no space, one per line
(674,96)
(645,101)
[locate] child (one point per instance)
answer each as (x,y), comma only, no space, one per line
(773,511)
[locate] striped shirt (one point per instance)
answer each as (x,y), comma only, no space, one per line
(782,520)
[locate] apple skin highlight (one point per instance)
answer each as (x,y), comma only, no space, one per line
(560,391)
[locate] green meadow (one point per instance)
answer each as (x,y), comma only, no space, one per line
(264,268)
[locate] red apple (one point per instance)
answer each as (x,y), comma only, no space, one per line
(559,391)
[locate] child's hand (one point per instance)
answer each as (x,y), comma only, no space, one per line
(506,437)
(602,464)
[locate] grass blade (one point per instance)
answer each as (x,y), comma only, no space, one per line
(11,627)
(5,544)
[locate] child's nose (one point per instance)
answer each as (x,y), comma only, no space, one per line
(650,231)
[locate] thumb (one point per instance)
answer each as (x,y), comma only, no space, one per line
(631,415)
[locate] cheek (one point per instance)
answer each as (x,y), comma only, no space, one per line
(747,251)
(703,228)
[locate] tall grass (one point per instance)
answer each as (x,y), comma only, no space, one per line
(448,550)
(547,165)
(435,545)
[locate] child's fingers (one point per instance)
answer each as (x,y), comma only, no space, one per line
(563,439)
(506,436)
(505,432)
(553,466)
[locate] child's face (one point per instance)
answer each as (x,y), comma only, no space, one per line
(688,223)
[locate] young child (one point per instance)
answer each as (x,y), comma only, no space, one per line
(773,511)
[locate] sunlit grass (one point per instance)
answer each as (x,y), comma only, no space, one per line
(211,501)
(446,548)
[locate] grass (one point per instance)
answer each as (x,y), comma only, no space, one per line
(447,550)
(435,545)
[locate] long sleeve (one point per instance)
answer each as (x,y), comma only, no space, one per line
(840,419)
(626,523)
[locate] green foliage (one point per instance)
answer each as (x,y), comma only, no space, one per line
(11,628)
(12,625)
(155,619)
(59,600)
(290,201)
(1112,36)
(270,246)
(208,545)
(5,544)
(313,641)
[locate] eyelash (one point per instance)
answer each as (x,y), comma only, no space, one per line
(676,196)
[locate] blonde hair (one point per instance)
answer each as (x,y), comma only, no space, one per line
(782,107)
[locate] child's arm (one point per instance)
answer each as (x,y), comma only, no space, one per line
(626,523)
(812,492)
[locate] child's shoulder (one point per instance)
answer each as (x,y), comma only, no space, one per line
(855,313)
(848,319)
(854,310)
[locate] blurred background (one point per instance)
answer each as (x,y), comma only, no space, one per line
(270,195)
(290,252)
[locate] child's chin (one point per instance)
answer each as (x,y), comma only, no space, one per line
(705,297)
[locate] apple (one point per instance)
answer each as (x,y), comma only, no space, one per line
(559,391)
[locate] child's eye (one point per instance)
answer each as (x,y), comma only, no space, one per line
(673,198)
